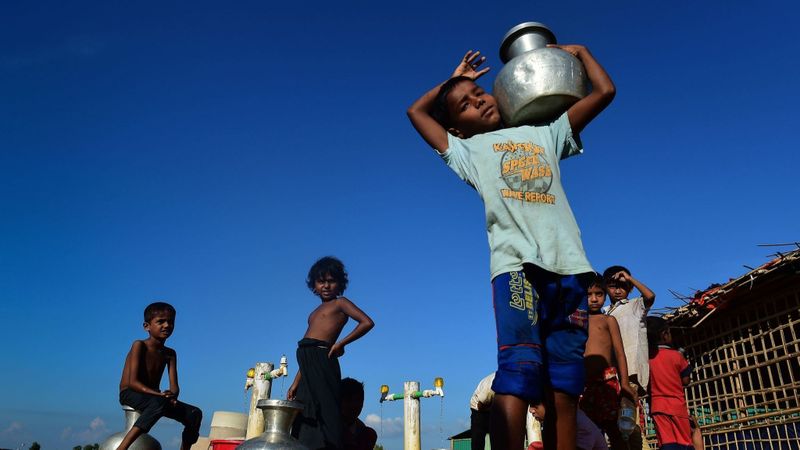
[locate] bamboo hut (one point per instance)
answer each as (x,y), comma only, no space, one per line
(743,339)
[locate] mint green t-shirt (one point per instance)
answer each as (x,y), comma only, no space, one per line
(516,173)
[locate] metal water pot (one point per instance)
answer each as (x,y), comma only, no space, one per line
(537,83)
(278,418)
(143,442)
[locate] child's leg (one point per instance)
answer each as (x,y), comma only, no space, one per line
(672,431)
(479,427)
(564,421)
(519,377)
(319,425)
(697,436)
(130,437)
(191,417)
(508,421)
(151,408)
(564,329)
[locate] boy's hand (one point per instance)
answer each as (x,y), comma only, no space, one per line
(169,395)
(629,392)
(337,350)
(621,277)
(469,65)
(603,90)
(572,49)
(292,392)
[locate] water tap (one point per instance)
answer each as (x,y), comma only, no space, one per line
(282,370)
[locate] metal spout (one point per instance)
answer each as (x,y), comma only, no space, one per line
(131,416)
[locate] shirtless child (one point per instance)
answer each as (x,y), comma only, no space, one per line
(141,378)
(604,381)
(318,379)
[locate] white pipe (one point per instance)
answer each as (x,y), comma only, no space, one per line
(411,436)
(262,385)
(427,393)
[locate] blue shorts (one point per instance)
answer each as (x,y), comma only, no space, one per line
(542,324)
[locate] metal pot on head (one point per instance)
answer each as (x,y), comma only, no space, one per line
(537,83)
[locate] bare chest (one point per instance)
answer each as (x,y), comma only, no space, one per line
(325,312)
(155,360)
(599,333)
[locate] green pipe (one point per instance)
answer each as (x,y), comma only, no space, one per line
(395,397)
(416,394)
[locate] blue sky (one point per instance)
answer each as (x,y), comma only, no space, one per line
(206,154)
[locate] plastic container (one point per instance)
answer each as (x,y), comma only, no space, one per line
(627,418)
(225,444)
(228,425)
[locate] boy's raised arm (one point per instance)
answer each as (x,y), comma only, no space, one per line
(420,111)
(420,115)
(364,325)
(648,295)
(603,90)
(622,361)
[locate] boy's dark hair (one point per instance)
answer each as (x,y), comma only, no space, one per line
(655,326)
(155,308)
(440,112)
(351,388)
(327,265)
(608,273)
(597,280)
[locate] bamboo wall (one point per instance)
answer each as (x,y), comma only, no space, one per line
(745,389)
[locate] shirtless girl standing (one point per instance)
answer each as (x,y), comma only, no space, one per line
(317,382)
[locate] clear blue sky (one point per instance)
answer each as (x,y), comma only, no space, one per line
(206,154)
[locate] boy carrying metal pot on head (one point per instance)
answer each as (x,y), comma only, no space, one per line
(534,241)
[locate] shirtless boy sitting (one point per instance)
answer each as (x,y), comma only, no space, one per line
(318,379)
(141,378)
(604,381)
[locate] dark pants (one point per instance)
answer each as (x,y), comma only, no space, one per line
(479,428)
(153,407)
(319,425)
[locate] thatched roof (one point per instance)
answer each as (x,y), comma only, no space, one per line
(717,296)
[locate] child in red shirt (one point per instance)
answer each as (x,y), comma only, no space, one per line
(669,373)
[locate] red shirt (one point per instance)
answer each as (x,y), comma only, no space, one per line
(667,367)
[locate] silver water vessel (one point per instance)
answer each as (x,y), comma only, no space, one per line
(143,442)
(278,418)
(537,83)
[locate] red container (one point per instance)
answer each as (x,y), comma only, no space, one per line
(225,444)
